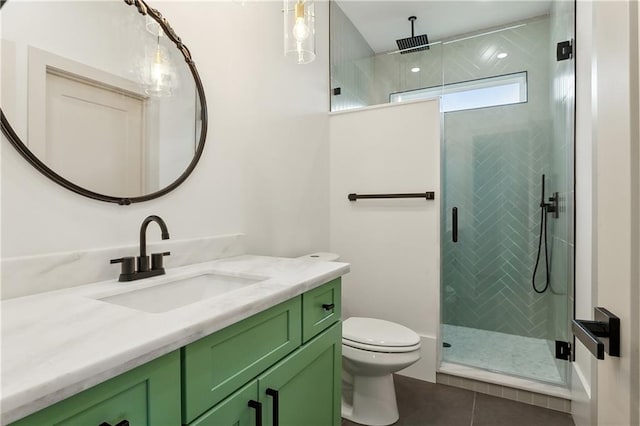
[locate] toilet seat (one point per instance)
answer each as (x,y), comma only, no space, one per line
(381,349)
(376,335)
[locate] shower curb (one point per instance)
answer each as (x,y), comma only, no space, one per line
(506,392)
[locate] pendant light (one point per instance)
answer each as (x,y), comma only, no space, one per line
(157,73)
(299,30)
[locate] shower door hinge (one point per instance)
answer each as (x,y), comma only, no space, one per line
(564,50)
(563,350)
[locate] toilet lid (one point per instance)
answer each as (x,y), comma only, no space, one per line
(377,332)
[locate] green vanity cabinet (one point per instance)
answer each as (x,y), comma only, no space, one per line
(291,352)
(146,396)
(301,390)
(283,362)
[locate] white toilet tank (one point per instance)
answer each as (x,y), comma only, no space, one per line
(323,256)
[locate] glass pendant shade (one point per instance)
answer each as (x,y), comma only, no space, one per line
(156,71)
(299,30)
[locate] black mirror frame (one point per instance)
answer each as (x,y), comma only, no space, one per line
(17,143)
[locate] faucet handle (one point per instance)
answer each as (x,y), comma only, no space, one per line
(156,260)
(128,266)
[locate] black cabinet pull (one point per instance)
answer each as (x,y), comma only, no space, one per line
(276,405)
(454,224)
(328,306)
(258,407)
(122,423)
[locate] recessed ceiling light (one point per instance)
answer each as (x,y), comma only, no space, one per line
(502,55)
(415,69)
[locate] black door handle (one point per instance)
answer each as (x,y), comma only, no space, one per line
(258,407)
(454,224)
(328,306)
(276,405)
(601,335)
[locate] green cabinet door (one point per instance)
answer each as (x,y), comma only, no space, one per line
(239,409)
(146,396)
(307,384)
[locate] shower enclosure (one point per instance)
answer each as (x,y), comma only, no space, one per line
(507,101)
(493,161)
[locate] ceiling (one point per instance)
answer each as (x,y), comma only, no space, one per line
(382,22)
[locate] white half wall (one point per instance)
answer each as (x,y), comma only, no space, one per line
(393,245)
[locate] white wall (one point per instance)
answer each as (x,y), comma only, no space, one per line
(264,170)
(393,245)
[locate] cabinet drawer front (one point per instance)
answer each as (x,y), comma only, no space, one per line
(321,307)
(148,395)
(233,411)
(217,365)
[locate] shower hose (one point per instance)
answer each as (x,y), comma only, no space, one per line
(543,230)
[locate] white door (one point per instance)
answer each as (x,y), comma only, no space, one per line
(615,240)
(88,121)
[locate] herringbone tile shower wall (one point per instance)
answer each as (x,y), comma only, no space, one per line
(494,180)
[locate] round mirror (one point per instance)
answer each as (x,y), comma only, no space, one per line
(101,96)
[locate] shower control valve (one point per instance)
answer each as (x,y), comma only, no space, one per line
(552,205)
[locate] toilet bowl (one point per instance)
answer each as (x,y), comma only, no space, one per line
(372,350)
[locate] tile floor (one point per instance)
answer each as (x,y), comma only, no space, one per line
(428,404)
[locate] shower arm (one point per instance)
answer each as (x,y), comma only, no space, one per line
(412,19)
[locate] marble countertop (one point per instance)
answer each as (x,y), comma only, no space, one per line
(60,343)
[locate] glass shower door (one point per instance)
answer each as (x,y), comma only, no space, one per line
(494,158)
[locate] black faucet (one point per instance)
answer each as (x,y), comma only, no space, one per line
(129,272)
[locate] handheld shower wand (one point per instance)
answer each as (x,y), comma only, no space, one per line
(545,208)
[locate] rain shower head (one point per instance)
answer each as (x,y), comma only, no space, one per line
(413,43)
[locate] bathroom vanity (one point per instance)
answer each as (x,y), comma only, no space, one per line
(268,352)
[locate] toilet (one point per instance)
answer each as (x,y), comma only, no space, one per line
(372,350)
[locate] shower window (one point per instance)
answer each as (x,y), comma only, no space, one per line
(486,92)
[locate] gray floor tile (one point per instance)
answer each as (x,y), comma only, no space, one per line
(429,404)
(425,404)
(493,411)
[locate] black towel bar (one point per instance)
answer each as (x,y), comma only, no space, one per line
(429,195)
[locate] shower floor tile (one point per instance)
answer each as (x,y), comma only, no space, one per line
(500,352)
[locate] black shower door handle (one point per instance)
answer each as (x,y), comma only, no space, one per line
(454,224)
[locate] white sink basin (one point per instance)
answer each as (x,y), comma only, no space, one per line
(181,292)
